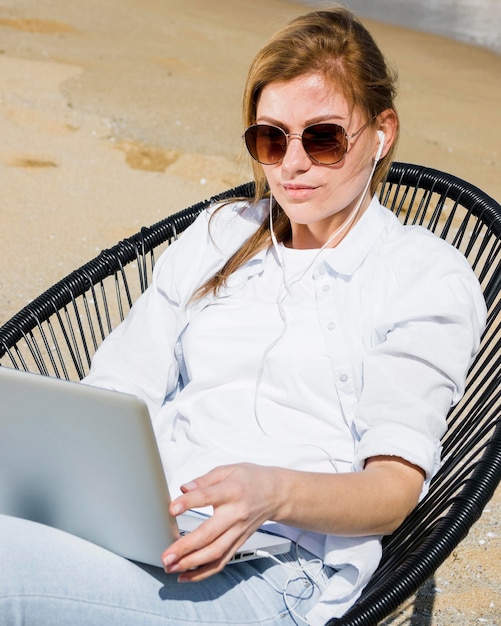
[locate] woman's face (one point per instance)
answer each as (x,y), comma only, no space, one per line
(316,198)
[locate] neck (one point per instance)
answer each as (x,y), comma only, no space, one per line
(326,235)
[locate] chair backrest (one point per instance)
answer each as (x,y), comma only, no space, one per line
(58,333)
(471,470)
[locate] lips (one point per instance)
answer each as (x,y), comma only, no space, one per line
(297,186)
(297,191)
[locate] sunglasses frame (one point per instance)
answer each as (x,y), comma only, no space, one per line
(288,136)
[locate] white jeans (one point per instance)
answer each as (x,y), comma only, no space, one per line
(51,578)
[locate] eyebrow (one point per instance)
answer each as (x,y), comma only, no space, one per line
(315,120)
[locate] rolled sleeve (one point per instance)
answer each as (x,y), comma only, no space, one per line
(426,336)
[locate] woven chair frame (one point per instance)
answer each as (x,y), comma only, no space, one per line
(58,333)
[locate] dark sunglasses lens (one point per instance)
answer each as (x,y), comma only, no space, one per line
(266,144)
(325,143)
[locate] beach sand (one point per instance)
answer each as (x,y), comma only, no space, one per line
(114,114)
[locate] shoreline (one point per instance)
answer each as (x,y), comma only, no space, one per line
(90,118)
(468,22)
(115,115)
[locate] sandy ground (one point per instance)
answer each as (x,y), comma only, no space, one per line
(114,114)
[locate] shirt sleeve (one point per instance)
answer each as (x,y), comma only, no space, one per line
(139,357)
(427,332)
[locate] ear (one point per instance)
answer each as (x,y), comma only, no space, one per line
(387,123)
(380,148)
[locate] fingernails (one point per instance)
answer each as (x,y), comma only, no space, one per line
(168,562)
(176,508)
(189,486)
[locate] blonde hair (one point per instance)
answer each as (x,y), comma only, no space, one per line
(336,45)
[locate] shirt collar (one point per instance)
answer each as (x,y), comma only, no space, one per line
(351,252)
(346,257)
(343,259)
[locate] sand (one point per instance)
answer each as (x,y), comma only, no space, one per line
(114,114)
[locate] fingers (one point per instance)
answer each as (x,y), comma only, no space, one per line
(200,565)
(235,493)
(203,552)
(217,487)
(203,572)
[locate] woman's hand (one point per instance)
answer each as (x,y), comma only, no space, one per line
(243,496)
(371,502)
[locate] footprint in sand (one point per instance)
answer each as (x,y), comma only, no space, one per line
(33,25)
(31,162)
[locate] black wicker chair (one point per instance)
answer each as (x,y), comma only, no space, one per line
(58,333)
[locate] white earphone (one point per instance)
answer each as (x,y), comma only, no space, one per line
(382,138)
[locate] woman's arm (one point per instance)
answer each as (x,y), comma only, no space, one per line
(371,502)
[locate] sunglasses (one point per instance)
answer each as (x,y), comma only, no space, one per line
(325,144)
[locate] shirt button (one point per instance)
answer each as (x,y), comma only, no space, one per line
(343,378)
(331,325)
(321,270)
(325,288)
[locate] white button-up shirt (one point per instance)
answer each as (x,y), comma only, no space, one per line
(361,353)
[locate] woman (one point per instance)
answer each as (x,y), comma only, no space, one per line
(298,355)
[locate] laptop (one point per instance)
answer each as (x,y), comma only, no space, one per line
(85,460)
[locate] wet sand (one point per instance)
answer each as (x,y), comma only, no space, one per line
(113,115)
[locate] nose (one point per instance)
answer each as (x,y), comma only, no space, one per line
(295,158)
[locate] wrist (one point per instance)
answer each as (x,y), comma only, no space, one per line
(283,494)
